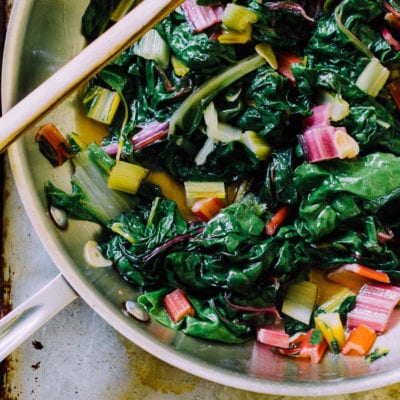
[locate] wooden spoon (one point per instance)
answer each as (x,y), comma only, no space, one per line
(82,67)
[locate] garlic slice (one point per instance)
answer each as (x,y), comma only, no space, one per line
(94,257)
(134,309)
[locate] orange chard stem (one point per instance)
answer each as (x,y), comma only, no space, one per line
(178,305)
(205,209)
(393,20)
(314,345)
(285,61)
(355,275)
(360,340)
(49,134)
(277,220)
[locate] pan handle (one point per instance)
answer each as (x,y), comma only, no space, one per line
(19,324)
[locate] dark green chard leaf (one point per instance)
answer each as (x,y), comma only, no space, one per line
(279,187)
(229,162)
(96,17)
(137,257)
(228,254)
(316,337)
(209,325)
(293,326)
(339,190)
(231,227)
(374,126)
(206,324)
(74,203)
(281,27)
(209,2)
(274,104)
(198,52)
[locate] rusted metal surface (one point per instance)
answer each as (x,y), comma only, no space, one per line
(4,285)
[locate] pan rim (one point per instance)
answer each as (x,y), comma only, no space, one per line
(17,158)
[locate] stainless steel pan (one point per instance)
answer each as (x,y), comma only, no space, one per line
(32,53)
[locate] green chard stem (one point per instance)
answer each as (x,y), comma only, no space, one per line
(205,93)
(358,44)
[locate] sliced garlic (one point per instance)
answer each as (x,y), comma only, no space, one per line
(93,256)
(59,217)
(134,309)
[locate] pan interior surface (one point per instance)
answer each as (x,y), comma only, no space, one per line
(32,54)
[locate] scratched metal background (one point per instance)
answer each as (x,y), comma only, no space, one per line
(77,356)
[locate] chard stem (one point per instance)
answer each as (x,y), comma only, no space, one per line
(358,44)
(205,93)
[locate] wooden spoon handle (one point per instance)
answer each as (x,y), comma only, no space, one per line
(82,67)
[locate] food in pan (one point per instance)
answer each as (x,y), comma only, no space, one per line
(249,182)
